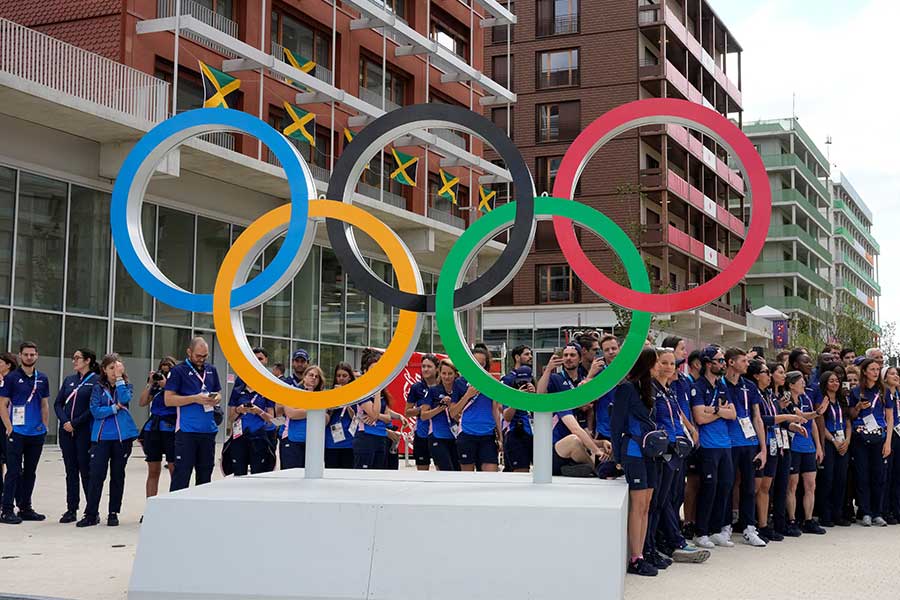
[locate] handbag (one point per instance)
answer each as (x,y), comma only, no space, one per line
(227,464)
(683,446)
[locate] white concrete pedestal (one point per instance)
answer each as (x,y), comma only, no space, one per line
(385,535)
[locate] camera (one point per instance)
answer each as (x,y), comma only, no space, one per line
(158,376)
(520,381)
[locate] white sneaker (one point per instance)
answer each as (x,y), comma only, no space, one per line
(704,542)
(727,531)
(867,521)
(752,538)
(719,539)
(879,522)
(690,554)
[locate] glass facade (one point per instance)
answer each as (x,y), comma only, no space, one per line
(62,287)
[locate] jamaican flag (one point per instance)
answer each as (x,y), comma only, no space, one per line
(349,135)
(216,85)
(302,126)
(298,62)
(407,168)
(487,198)
(449,186)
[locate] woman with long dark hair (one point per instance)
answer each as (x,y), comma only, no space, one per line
(73,409)
(891,378)
(632,418)
(8,363)
(157,436)
(870,447)
(414,404)
(293,438)
(113,433)
(339,433)
(836,434)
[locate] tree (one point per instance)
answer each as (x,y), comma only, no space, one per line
(889,344)
(852,331)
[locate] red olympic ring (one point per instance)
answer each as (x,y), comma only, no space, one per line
(627,117)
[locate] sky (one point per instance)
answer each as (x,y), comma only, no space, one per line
(835,56)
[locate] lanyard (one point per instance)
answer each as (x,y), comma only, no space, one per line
(565,375)
(202,379)
(34,387)
(746,402)
(75,391)
(836,415)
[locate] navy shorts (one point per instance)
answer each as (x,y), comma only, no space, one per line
(422,451)
(771,467)
(158,443)
(444,453)
(477,449)
(803,462)
(640,473)
(518,450)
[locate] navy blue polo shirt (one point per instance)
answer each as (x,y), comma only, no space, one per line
(521,416)
(715,434)
(27,392)
(602,413)
(417,393)
(185,380)
(744,396)
(668,415)
(440,423)
(342,416)
(250,423)
(158,408)
(294,429)
(876,409)
(804,445)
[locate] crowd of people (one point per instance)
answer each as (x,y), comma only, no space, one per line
(710,443)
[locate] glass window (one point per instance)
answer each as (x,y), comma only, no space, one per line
(213,239)
(301,39)
(40,242)
(253,316)
(83,332)
(546,338)
(276,313)
(175,257)
(498,116)
(131,300)
(449,33)
(7,216)
(332,310)
(558,68)
(279,351)
(132,342)
(221,7)
(557,17)
(558,122)
(425,339)
(357,315)
(306,297)
(171,341)
(502,70)
(87,289)
(329,357)
(547,167)
(501,32)
(380,319)
(555,284)
(44,330)
(371,76)
(4,326)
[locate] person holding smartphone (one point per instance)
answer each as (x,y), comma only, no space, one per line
(518,435)
(479,421)
(836,433)
(414,402)
(806,454)
(193,389)
(251,417)
(293,437)
(436,405)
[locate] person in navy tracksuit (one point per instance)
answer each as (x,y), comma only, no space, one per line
(73,409)
(251,416)
(112,434)
(293,437)
(8,363)
(414,405)
(834,428)
(341,429)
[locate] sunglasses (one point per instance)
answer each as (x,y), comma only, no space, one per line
(720,360)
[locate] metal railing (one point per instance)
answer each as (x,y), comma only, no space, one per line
(446,218)
(52,63)
(374,98)
(166,8)
(389,197)
(219,138)
(454,138)
(559,25)
(319,72)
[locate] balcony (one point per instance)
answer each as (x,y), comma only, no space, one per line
(696,248)
(446,218)
(786,303)
(784,126)
(793,231)
(376,193)
(792,196)
(859,271)
(850,287)
(783,161)
(319,72)
(87,81)
(841,206)
(166,8)
(695,197)
(219,138)
(450,136)
(375,98)
(791,267)
(559,25)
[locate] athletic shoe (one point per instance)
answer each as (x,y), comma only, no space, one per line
(87,521)
(112,520)
(68,517)
(10,518)
(793,530)
(641,567)
(867,521)
(704,542)
(810,526)
(719,539)
(690,554)
(29,515)
(728,531)
(826,523)
(770,535)
(879,522)
(751,537)
(891,520)
(655,559)
(843,523)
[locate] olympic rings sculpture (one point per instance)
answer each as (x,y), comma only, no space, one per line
(299,219)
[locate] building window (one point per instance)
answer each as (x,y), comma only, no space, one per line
(555,284)
(557,17)
(558,122)
(301,39)
(557,68)
(449,33)
(398,7)
(370,78)
(499,33)
(502,70)
(547,166)
(319,156)
(40,242)
(498,116)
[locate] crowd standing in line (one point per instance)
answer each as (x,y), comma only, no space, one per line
(711,444)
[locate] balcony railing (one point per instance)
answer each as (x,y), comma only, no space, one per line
(48,62)
(841,206)
(446,218)
(219,138)
(795,231)
(166,8)
(559,25)
(319,72)
(376,193)
(788,196)
(788,267)
(792,303)
(860,271)
(774,161)
(558,78)
(374,98)
(454,138)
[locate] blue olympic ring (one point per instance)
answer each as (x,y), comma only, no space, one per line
(131,183)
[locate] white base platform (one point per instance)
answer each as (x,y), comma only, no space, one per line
(384,535)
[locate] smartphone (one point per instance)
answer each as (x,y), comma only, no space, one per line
(760,351)
(214,395)
(558,352)
(846,385)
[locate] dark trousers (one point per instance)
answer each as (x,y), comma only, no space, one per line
(779,492)
(76,453)
(444,454)
(193,452)
(293,454)
(23,452)
(338,458)
(250,452)
(742,457)
(111,454)
(870,470)
(832,480)
(663,519)
(716,481)
(369,451)
(892,493)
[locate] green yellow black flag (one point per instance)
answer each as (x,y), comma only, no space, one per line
(485,205)
(407,168)
(349,135)
(302,126)
(216,85)
(298,62)
(449,186)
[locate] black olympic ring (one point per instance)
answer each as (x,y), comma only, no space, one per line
(385,129)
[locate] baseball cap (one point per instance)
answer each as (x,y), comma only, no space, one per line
(523,372)
(708,353)
(300,353)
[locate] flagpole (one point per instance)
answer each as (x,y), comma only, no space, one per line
(175,67)
(262,47)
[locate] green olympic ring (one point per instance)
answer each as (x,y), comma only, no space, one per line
(457,264)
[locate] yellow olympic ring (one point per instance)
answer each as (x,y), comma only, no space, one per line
(259,379)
